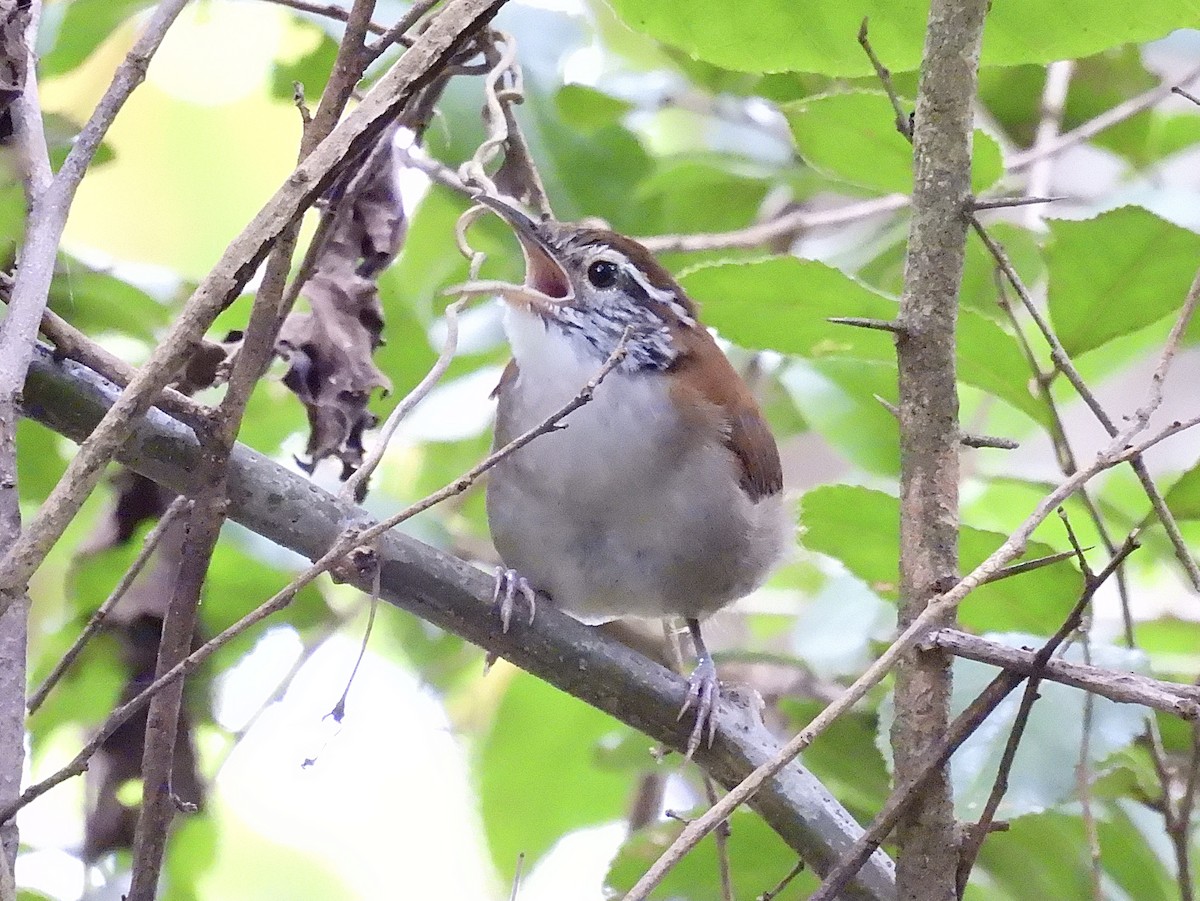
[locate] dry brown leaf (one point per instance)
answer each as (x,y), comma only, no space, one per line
(331,370)
(330,348)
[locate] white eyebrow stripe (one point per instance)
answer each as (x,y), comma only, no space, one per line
(664,296)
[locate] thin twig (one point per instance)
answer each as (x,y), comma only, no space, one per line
(903,122)
(397,34)
(1186,94)
(516,880)
(1063,452)
(883,325)
(721,839)
(1002,203)
(350,487)
(153,537)
(1105,120)
(783,883)
(350,539)
(1054,99)
(1154,399)
(206,516)
(71,343)
(1174,698)
(1083,779)
(327,10)
(338,712)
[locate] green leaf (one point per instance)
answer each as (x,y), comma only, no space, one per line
(838,398)
(758,859)
(1184,497)
(40,461)
(679,194)
(779,35)
(1173,644)
(861,528)
(311,69)
(1115,274)
(1046,856)
(94,302)
(587,109)
(85,24)
(852,137)
(989,358)
(784,304)
(1038,781)
(540,730)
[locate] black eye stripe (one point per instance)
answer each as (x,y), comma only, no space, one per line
(603,273)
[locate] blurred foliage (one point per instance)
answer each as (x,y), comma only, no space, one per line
(668,117)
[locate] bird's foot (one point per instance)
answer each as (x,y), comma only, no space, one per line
(704,689)
(510,583)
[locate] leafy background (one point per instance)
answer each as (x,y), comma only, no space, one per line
(662,117)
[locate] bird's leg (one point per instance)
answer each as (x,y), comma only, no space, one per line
(703,691)
(510,583)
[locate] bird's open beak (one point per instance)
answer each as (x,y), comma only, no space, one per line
(547,284)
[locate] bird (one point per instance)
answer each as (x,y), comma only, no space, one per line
(660,498)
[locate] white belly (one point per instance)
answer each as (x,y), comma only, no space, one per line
(625,511)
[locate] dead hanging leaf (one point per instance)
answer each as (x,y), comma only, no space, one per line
(14,56)
(111,820)
(136,622)
(371,227)
(331,370)
(330,348)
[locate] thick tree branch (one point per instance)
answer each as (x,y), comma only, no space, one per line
(929,431)
(18,334)
(456,596)
(1175,698)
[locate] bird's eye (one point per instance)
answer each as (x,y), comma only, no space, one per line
(603,273)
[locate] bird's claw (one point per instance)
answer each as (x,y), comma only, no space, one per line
(704,689)
(510,583)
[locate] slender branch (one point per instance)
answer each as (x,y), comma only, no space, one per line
(448,31)
(159,801)
(453,595)
(1064,365)
(18,334)
(149,545)
(1186,94)
(351,486)
(397,34)
(73,344)
(1054,100)
(1105,120)
(721,839)
(1123,687)
(903,121)
(327,10)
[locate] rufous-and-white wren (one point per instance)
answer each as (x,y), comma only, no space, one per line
(661,497)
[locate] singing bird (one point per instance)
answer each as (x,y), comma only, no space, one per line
(663,496)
